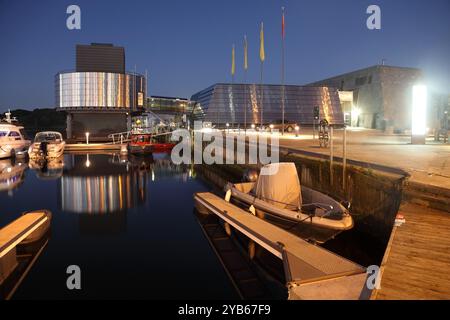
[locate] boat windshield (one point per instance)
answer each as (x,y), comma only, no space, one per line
(141,139)
(3,133)
(47,136)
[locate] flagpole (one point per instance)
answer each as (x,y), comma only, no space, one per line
(262,58)
(245,84)
(146,83)
(282,69)
(262,94)
(233,70)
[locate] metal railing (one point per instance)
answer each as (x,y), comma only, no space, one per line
(120,137)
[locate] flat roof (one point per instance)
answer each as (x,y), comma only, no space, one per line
(374,67)
(168,98)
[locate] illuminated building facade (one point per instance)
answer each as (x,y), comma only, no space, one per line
(224,103)
(382,96)
(99,95)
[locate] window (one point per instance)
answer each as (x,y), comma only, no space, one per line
(3,133)
(15,135)
(360,81)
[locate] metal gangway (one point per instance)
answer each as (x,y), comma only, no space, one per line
(120,137)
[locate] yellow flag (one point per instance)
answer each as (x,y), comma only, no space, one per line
(261,45)
(245,54)
(233,67)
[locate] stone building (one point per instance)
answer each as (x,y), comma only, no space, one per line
(382,95)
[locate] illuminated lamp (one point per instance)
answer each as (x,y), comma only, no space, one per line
(419,114)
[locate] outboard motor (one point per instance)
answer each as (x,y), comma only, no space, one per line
(250,175)
(44,148)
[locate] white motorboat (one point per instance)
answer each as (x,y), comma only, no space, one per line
(47,145)
(277,192)
(13,140)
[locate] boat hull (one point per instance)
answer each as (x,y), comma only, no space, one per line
(140,150)
(344,222)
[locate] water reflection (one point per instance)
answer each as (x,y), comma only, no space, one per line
(47,169)
(103,184)
(12,174)
(135,203)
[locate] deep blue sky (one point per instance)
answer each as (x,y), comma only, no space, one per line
(186,44)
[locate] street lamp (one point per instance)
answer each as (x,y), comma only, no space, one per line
(253,126)
(297,129)
(419,114)
(271,128)
(87,137)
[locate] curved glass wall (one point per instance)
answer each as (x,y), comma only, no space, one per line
(99,90)
(226,103)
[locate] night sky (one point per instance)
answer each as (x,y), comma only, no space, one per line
(186,44)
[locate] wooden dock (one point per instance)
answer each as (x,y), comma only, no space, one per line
(417,260)
(307,266)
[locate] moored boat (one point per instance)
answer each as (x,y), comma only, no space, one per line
(21,243)
(146,143)
(47,145)
(140,144)
(13,142)
(277,193)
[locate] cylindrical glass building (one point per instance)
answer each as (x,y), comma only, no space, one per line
(87,90)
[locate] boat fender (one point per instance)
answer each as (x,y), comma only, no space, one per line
(228,196)
(252,210)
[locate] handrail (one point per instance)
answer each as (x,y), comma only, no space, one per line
(120,136)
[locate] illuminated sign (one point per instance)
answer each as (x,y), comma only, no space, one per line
(140,99)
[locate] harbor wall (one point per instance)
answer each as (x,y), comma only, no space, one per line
(375,196)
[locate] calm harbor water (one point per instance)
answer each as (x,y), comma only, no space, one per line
(128,223)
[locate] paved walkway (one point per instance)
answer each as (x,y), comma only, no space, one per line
(428,164)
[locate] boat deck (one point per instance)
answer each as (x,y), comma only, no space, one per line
(12,235)
(417,259)
(305,264)
(19,229)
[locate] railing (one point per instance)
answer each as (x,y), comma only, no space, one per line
(120,137)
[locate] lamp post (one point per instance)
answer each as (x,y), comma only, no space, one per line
(419,113)
(87,137)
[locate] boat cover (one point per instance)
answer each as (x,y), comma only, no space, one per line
(279,187)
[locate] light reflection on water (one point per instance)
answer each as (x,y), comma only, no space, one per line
(126,221)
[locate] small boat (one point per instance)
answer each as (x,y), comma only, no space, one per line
(140,144)
(47,145)
(21,244)
(147,143)
(277,192)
